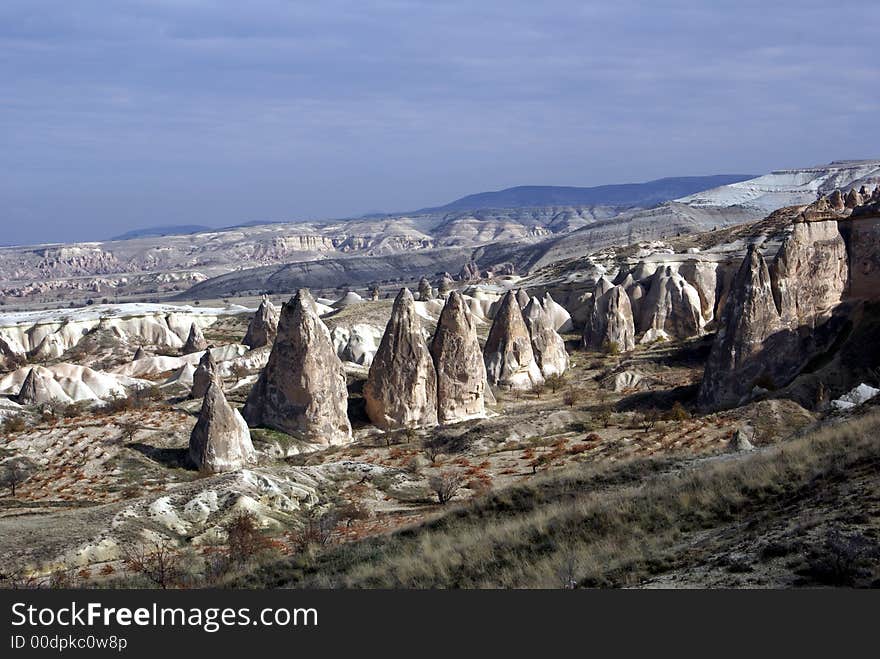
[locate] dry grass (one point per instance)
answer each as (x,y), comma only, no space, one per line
(612,526)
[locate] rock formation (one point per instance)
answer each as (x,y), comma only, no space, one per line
(558,316)
(809,273)
(852,199)
(610,322)
(508,355)
(547,345)
(139,354)
(401,388)
(703,276)
(220,440)
(263,326)
(205,373)
(469,272)
(302,390)
(445,284)
(195,342)
(836,201)
(671,308)
(38,390)
(748,319)
(603,285)
(374,294)
(458,361)
(426,291)
(522,298)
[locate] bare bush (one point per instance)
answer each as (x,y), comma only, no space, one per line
(446,485)
(158,562)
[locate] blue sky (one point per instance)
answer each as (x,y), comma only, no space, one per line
(130,113)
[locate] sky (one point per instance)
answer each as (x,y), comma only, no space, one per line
(121,114)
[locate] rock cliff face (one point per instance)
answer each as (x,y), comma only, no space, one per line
(610,322)
(263,326)
(749,318)
(461,374)
(547,345)
(508,355)
(810,273)
(220,440)
(302,390)
(401,389)
(861,232)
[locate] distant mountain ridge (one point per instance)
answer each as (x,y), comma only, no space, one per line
(649,193)
(170,230)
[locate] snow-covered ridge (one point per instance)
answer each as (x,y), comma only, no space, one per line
(99,311)
(789,187)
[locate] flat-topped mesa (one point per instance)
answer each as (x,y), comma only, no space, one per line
(748,319)
(548,346)
(610,325)
(458,361)
(221,440)
(205,373)
(263,326)
(195,342)
(671,308)
(401,388)
(426,291)
(508,355)
(302,390)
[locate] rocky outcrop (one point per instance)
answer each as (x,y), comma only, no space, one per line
(38,390)
(302,390)
(374,294)
(610,323)
(458,361)
(522,298)
(809,274)
(861,233)
(445,284)
(221,440)
(195,342)
(853,199)
(263,326)
(558,316)
(426,291)
(703,276)
(836,201)
(547,345)
(603,285)
(508,355)
(670,309)
(748,319)
(205,373)
(469,272)
(140,353)
(401,388)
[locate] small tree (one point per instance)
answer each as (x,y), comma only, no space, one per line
(555,382)
(610,348)
(678,413)
(649,419)
(15,472)
(446,485)
(128,429)
(244,540)
(571,396)
(603,416)
(432,448)
(158,562)
(537,389)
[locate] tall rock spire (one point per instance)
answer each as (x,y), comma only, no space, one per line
(401,388)
(508,355)
(302,390)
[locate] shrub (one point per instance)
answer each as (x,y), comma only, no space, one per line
(610,348)
(677,413)
(244,540)
(555,382)
(14,424)
(445,485)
